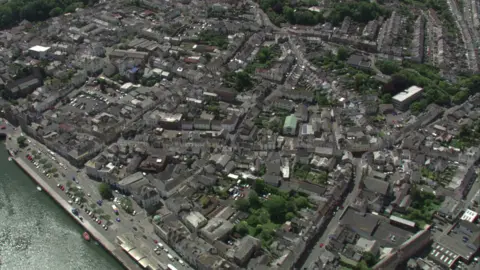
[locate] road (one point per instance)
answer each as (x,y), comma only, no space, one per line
(143,231)
(471,193)
(332,225)
(466,34)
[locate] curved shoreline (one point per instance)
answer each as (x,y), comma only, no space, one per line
(110,247)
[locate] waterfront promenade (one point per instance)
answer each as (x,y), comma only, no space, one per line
(115,250)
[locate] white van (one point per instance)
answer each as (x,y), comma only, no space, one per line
(160,245)
(170,257)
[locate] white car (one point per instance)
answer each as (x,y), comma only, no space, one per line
(70,202)
(88,195)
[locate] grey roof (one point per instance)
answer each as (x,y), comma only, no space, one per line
(217,228)
(376,185)
(451,208)
(246,246)
(272,180)
(364,222)
(131,179)
(464,239)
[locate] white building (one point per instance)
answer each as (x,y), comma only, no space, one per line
(402,100)
(194,220)
(39,52)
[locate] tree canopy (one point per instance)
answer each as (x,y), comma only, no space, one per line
(298,12)
(242,204)
(22,141)
(14,11)
(105,191)
(276,207)
(241,80)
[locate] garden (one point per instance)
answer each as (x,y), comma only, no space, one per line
(268,209)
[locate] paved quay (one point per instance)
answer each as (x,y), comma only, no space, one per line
(86,224)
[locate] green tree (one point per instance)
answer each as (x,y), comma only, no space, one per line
(460,97)
(126,204)
(214,38)
(105,191)
(243,81)
(291,206)
(254,200)
(259,187)
(265,55)
(289,216)
(369,258)
(388,67)
(342,54)
(242,204)
(242,228)
(263,216)
(208,57)
(56,12)
(301,202)
(360,80)
(6,16)
(418,106)
(204,201)
(276,207)
(362,265)
(386,98)
(22,141)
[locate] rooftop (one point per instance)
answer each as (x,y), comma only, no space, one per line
(290,122)
(39,48)
(404,95)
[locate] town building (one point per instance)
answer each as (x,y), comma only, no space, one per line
(404,99)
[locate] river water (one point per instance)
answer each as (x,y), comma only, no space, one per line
(36,233)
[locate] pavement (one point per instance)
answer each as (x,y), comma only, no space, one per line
(144,232)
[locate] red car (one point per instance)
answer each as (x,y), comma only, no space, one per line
(99,221)
(322,245)
(3,127)
(155,241)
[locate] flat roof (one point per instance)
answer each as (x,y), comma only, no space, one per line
(136,254)
(145,262)
(39,48)
(469,215)
(402,221)
(411,91)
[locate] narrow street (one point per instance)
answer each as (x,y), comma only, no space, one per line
(332,225)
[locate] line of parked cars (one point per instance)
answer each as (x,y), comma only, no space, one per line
(96,219)
(159,248)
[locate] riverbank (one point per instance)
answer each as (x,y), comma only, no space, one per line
(114,250)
